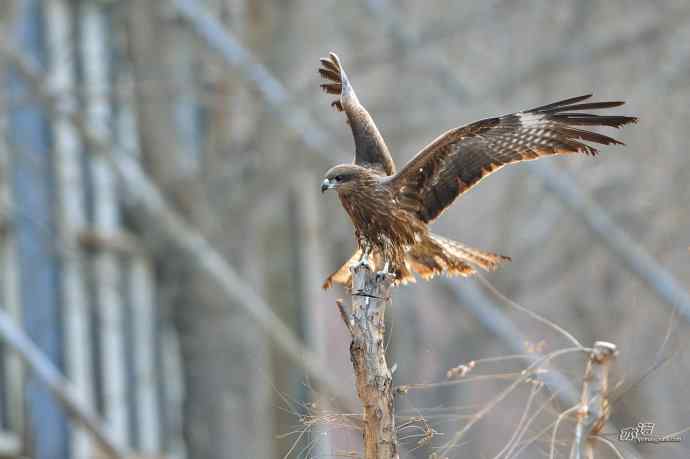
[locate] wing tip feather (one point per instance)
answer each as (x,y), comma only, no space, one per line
(337,83)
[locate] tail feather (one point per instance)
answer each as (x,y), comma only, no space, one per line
(488,261)
(431,257)
(342,275)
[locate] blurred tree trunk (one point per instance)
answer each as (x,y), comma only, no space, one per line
(222,352)
(34,231)
(12,370)
(72,219)
(108,275)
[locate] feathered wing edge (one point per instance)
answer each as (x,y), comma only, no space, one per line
(370,148)
(460,158)
(567,114)
(330,71)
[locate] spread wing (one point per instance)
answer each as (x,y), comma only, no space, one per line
(461,157)
(370,149)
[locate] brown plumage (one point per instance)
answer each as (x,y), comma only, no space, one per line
(391,211)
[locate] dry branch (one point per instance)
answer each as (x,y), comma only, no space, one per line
(370,296)
(593,411)
(498,323)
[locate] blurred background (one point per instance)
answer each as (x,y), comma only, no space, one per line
(163,240)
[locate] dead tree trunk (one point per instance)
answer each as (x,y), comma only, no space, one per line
(370,296)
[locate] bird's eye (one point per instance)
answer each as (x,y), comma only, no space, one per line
(338,178)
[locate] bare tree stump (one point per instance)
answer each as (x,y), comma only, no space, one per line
(370,296)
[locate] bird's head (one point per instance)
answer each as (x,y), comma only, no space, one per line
(341,178)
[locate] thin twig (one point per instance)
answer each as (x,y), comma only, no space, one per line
(527,425)
(532,314)
(523,419)
(490,406)
(344,315)
(610,444)
(561,416)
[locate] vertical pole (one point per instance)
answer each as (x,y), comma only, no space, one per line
(594,404)
(71,218)
(95,59)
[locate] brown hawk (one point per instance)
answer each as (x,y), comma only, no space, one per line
(391,211)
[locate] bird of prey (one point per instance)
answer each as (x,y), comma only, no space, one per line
(391,210)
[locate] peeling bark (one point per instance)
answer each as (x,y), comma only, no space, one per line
(370,296)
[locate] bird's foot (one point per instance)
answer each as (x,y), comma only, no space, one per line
(385,274)
(362,263)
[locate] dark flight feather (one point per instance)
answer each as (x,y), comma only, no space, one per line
(370,149)
(457,160)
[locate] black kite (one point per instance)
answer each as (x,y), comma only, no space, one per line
(391,211)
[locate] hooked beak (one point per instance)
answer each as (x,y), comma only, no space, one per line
(327,185)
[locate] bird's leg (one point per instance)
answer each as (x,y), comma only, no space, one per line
(363,262)
(364,259)
(385,272)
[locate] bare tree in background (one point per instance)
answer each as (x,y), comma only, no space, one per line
(223,353)
(231,139)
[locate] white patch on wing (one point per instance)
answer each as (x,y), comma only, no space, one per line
(530,119)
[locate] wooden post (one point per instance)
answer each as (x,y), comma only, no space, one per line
(370,296)
(594,404)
